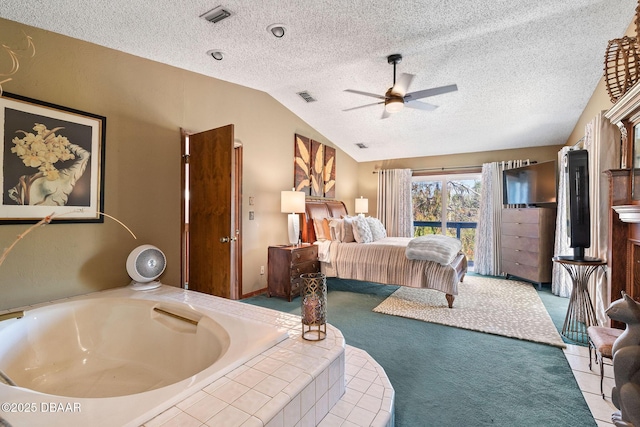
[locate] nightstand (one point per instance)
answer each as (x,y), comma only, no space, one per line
(286,264)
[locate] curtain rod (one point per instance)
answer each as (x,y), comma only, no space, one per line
(453,168)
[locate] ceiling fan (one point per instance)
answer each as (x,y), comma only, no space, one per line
(397,97)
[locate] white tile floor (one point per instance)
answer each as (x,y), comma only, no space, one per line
(589,383)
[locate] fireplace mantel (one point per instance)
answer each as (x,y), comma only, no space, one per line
(628,213)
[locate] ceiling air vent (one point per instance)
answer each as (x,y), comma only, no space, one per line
(361,145)
(216,15)
(306,96)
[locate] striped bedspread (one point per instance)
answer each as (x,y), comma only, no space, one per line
(384,261)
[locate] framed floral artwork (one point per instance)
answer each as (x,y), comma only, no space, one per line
(317,169)
(52,161)
(314,170)
(302,164)
(329,172)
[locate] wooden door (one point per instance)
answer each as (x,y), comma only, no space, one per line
(212,229)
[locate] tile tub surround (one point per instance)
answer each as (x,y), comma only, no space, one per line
(295,383)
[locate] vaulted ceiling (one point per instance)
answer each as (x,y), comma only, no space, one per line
(524,70)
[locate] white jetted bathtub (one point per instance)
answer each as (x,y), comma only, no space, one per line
(105,360)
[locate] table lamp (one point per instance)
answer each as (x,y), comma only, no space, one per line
(362,206)
(292,202)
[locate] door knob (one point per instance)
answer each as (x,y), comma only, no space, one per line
(224,240)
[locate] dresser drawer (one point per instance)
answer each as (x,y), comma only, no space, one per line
(305,267)
(520,243)
(300,269)
(519,256)
(524,230)
(304,254)
(295,288)
(528,216)
(528,272)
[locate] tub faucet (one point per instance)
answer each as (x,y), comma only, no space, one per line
(11,315)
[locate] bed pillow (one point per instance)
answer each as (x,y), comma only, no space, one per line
(377,228)
(321,227)
(347,229)
(336,228)
(361,230)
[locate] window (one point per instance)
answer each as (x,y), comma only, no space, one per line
(447,204)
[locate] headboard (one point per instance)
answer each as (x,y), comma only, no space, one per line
(319,208)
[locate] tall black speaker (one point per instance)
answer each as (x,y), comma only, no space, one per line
(579,215)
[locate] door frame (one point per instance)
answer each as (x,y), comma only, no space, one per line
(236,251)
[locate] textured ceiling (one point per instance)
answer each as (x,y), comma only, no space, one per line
(524,69)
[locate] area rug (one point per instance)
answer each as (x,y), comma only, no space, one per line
(495,306)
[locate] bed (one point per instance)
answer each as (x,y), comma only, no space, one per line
(382,261)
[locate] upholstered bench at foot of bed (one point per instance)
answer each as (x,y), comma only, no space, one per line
(460,265)
(450,299)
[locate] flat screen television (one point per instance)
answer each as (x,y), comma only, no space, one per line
(532,185)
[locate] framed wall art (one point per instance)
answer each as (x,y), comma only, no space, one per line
(302,164)
(317,169)
(329,172)
(314,168)
(52,162)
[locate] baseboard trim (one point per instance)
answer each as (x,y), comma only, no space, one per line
(254,293)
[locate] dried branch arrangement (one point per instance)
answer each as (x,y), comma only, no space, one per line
(14,59)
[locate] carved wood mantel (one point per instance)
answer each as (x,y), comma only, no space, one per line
(624,231)
(617,252)
(625,114)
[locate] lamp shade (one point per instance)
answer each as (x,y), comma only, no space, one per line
(292,202)
(362,205)
(394,105)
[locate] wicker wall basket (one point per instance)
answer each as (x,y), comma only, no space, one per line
(621,66)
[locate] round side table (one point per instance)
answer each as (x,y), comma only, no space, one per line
(580,312)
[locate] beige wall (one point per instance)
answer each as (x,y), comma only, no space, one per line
(146,104)
(599,100)
(368,180)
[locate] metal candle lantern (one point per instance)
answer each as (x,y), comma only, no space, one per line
(314,306)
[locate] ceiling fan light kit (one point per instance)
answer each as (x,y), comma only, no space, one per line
(393,105)
(397,96)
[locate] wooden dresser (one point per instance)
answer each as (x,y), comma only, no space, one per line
(527,237)
(286,264)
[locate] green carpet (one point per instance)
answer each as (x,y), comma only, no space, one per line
(445,376)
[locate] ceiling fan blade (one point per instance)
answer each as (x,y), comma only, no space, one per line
(362,106)
(402,84)
(431,92)
(385,114)
(373,95)
(420,105)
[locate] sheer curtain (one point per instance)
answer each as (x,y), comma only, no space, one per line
(601,142)
(560,281)
(487,246)
(394,202)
